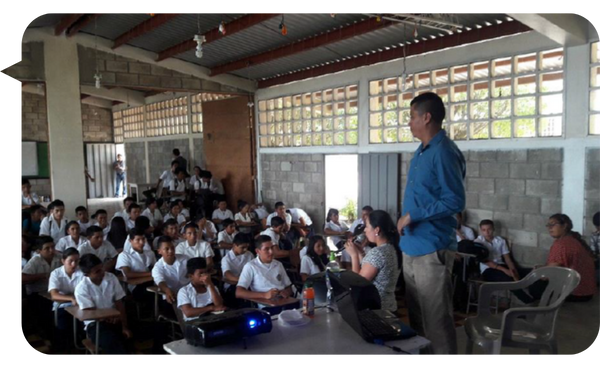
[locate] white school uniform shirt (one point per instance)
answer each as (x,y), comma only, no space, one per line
(123,214)
(185,212)
(137,262)
(180,218)
(261,212)
(335,227)
(167,176)
(51,227)
(355,224)
(84,226)
(188,295)
(65,285)
(467,233)
(224,237)
(235,264)
(200,249)
(175,275)
(67,242)
(90,295)
(26,201)
(308,267)
(213,229)
(297,214)
(105,231)
(105,252)
(154,217)
(274,237)
(288,218)
(240,217)
(222,215)
(37,265)
(177,186)
(261,277)
(213,185)
(497,249)
(127,245)
(193,180)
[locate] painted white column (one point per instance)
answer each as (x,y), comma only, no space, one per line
(65,131)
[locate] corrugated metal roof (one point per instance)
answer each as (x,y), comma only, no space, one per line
(112,26)
(46,20)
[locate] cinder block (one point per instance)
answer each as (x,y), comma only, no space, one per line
(542,188)
(298,187)
(510,186)
(544,155)
(592,155)
(149,80)
(116,66)
(476,215)
(286,166)
(109,78)
(545,241)
(482,155)
(139,68)
(551,206)
(592,172)
(552,170)
(305,198)
(170,82)
(472,200)
(297,166)
(493,170)
(293,177)
(189,83)
(305,178)
(535,223)
(318,158)
(493,202)
(318,178)
(524,204)
(525,171)
(480,185)
(508,220)
(472,169)
(523,238)
(287,187)
(310,167)
(157,70)
(512,156)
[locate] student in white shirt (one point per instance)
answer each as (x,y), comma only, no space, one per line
(221,214)
(225,239)
(232,265)
(279,212)
(61,287)
(274,232)
(183,211)
(82,218)
(142,223)
(99,290)
(243,219)
(174,213)
(117,236)
(127,201)
(315,259)
(152,212)
(170,229)
(463,231)
(101,217)
(178,186)
(263,277)
(194,246)
(99,247)
(55,223)
(169,274)
(28,198)
(301,226)
(166,177)
(196,177)
(260,210)
(200,295)
(137,263)
(208,229)
(134,211)
(208,183)
(365,212)
(73,239)
(333,228)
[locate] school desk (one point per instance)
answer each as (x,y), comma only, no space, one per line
(91,315)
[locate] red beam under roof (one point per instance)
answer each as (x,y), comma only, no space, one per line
(232,27)
(340,34)
(66,22)
(143,28)
(439,43)
(81,23)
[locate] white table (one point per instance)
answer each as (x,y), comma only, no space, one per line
(327,333)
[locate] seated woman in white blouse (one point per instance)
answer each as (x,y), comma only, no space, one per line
(315,259)
(337,230)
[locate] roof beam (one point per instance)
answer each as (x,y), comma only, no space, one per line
(66,22)
(34,88)
(143,28)
(439,43)
(356,29)
(134,98)
(81,23)
(232,27)
(98,102)
(565,29)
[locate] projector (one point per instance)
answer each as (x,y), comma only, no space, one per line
(219,329)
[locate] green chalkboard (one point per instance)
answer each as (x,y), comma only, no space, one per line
(43,161)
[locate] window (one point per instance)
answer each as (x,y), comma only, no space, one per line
(118,126)
(511,97)
(321,118)
(594,123)
(133,122)
(167,117)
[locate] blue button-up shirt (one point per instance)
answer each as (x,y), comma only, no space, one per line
(435,193)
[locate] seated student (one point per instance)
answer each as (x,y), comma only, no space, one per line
(99,247)
(175,213)
(209,184)
(55,224)
(232,265)
(364,214)
(316,257)
(73,239)
(274,232)
(338,231)
(260,211)
(127,201)
(169,274)
(595,244)
(206,227)
(118,233)
(100,290)
(134,211)
(170,229)
(25,246)
(279,212)
(225,239)
(28,198)
(61,287)
(184,211)
(200,295)
(166,177)
(243,219)
(301,224)
(221,214)
(363,248)
(196,177)
(499,265)
(152,212)
(463,231)
(263,277)
(101,220)
(31,225)
(178,186)
(194,246)
(137,263)
(142,223)
(82,218)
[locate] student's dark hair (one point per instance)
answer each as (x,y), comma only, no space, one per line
(80,208)
(563,219)
(241,204)
(180,170)
(258,242)
(229,221)
(142,222)
(431,103)
(199,215)
(279,204)
(132,206)
(25,181)
(205,174)
(194,264)
(190,225)
(69,224)
(173,205)
(277,221)
(164,239)
(331,213)
(34,208)
(596,219)
(174,163)
(176,151)
(69,252)
(197,167)
(118,232)
(359,230)
(136,231)
(178,201)
(150,201)
(100,212)
(241,238)
(93,230)
(57,203)
(87,262)
(40,241)
(170,222)
(319,261)
(367,208)
(387,230)
(50,206)
(487,222)
(128,199)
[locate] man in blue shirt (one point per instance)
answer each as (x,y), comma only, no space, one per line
(434,194)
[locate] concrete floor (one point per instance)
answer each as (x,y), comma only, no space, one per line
(111,205)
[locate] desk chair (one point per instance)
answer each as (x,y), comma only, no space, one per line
(157,316)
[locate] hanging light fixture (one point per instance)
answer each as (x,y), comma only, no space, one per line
(404,76)
(199,39)
(97,75)
(222,28)
(282,26)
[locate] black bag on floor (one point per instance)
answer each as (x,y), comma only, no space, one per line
(480,252)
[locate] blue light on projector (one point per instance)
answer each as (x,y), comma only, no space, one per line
(252,323)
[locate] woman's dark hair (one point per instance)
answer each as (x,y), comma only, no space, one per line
(563,219)
(118,232)
(69,224)
(69,252)
(387,230)
(331,213)
(319,260)
(595,219)
(241,204)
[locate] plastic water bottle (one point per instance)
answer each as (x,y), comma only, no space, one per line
(308,300)
(334,267)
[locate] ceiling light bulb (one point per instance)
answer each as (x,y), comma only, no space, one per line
(97,77)
(283,29)
(403,84)
(222,28)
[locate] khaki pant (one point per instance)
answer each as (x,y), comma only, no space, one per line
(429,298)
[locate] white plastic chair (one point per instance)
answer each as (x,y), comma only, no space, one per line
(536,330)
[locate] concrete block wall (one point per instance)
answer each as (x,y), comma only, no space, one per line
(31,66)
(199,157)
(41,187)
(34,119)
(298,180)
(592,189)
(135,157)
(160,155)
(97,124)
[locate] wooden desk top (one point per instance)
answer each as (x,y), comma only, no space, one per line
(275,302)
(92,314)
(136,281)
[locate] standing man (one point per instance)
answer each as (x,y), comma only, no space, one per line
(182,161)
(435,193)
(119,167)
